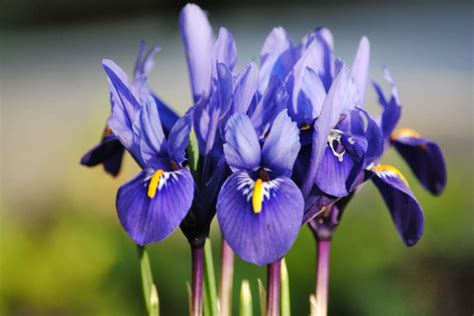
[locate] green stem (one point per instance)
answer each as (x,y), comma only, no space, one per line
(150,292)
(210,291)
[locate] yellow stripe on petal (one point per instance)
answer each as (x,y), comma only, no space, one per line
(257,196)
(153,185)
(390,170)
(405,132)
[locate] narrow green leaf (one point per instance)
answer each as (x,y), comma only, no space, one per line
(210,291)
(245,299)
(150,292)
(193,152)
(262,296)
(285,308)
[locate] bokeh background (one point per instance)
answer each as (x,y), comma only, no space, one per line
(62,250)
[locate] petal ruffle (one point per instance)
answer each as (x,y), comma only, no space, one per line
(242,149)
(147,219)
(267,236)
(404,208)
(424,158)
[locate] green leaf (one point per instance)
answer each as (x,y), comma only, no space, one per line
(210,291)
(245,299)
(150,293)
(193,152)
(262,296)
(285,308)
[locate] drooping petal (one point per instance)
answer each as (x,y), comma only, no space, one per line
(263,237)
(196,33)
(282,145)
(424,158)
(147,219)
(178,139)
(242,149)
(404,208)
(108,152)
(360,67)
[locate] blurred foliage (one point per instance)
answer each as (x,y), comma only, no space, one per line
(72,258)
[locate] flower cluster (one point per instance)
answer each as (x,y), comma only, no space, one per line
(280,144)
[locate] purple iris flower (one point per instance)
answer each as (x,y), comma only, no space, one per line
(109,151)
(153,204)
(259,208)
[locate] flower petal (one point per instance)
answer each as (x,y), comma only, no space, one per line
(282,145)
(178,138)
(335,177)
(360,67)
(153,144)
(391,107)
(196,33)
(424,158)
(245,88)
(404,208)
(168,117)
(108,152)
(225,51)
(147,219)
(242,149)
(276,57)
(264,237)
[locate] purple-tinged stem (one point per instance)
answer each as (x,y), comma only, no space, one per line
(227,274)
(322,276)
(273,288)
(198,268)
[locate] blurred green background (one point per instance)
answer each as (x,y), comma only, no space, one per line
(62,250)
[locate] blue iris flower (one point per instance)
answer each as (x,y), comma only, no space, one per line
(153,204)
(259,208)
(109,151)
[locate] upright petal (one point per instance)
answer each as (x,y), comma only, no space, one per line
(245,88)
(153,143)
(263,237)
(281,146)
(178,139)
(391,107)
(273,101)
(276,57)
(143,65)
(147,219)
(424,158)
(242,149)
(225,51)
(168,117)
(404,208)
(360,67)
(196,33)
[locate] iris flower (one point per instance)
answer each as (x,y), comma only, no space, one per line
(259,208)
(109,151)
(153,204)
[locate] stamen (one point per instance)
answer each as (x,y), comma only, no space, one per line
(405,132)
(305,127)
(391,170)
(257,196)
(335,136)
(153,185)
